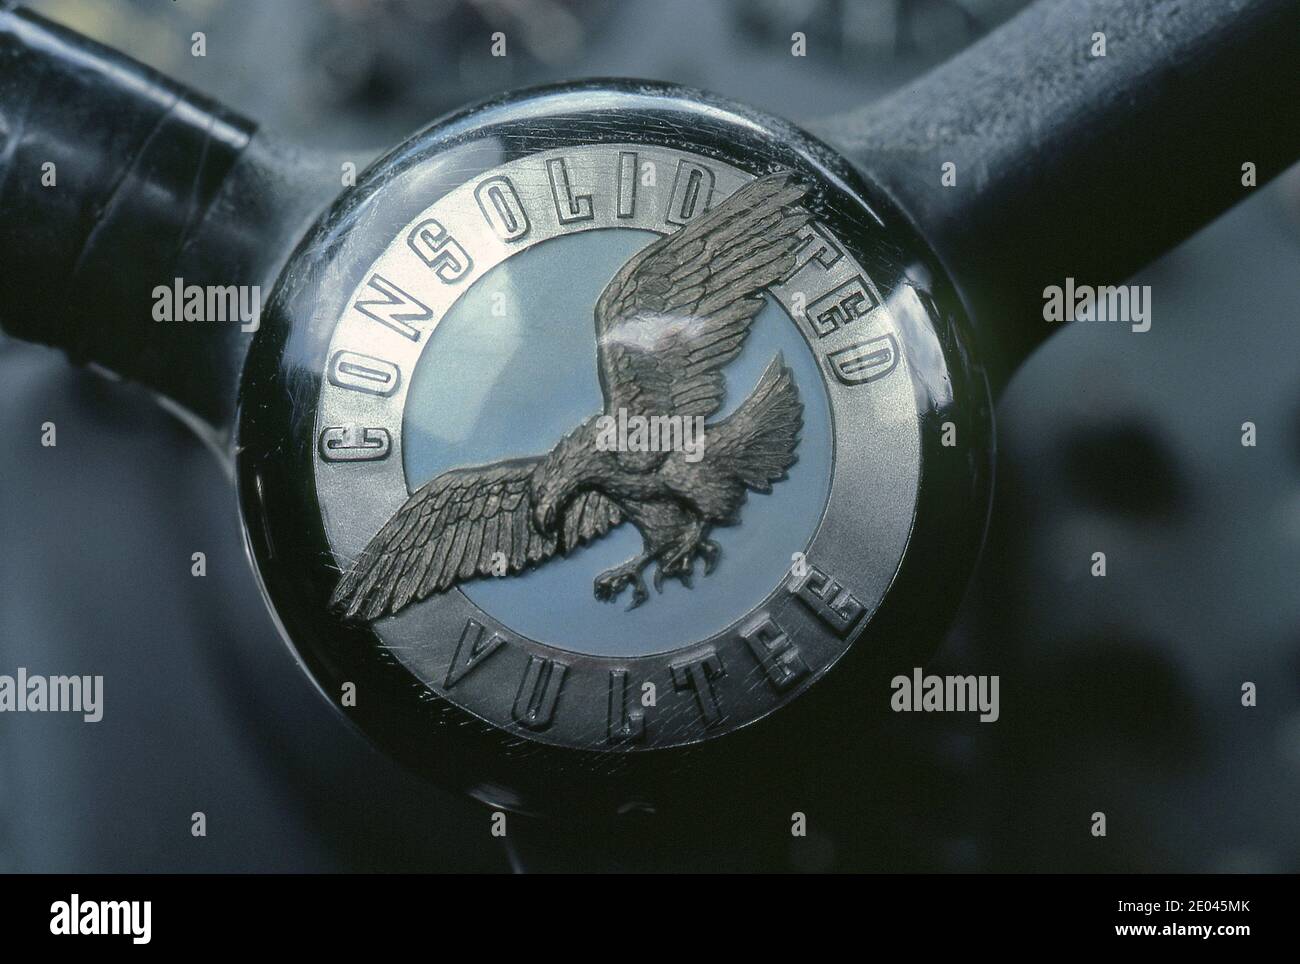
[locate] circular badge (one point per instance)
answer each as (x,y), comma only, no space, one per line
(594,426)
(616,440)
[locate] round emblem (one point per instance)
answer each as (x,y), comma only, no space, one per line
(590,429)
(626,431)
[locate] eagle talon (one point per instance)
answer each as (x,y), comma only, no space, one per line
(680,566)
(639,592)
(710,551)
(609,585)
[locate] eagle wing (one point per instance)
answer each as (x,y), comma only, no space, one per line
(679,310)
(451,529)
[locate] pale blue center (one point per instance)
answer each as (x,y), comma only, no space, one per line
(512,367)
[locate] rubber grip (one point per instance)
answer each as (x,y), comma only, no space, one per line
(150,182)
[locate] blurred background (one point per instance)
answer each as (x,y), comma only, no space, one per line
(1120,694)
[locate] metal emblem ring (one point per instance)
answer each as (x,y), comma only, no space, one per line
(703,684)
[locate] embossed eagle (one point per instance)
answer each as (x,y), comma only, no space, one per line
(666,325)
